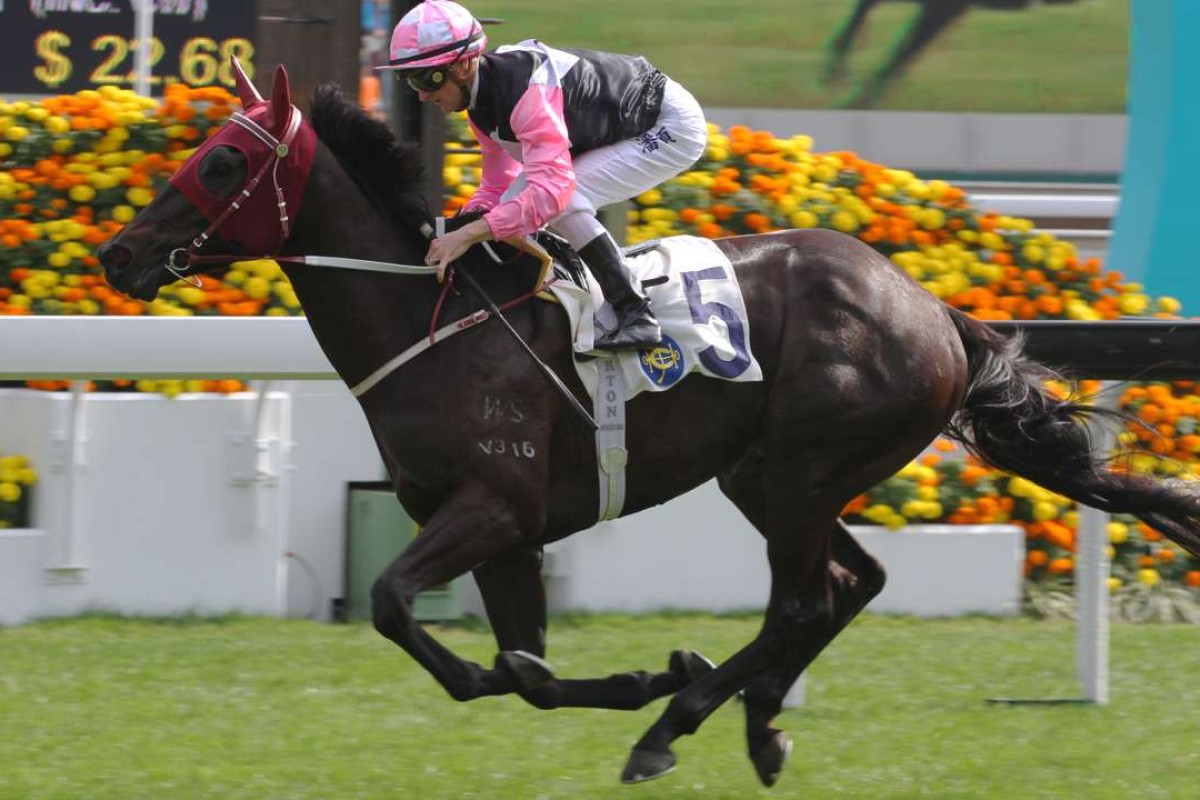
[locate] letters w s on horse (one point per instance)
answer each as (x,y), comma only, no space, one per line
(861,368)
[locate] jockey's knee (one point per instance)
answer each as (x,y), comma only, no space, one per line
(578,226)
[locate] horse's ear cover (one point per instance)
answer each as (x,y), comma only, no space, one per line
(281,100)
(246,90)
(256,227)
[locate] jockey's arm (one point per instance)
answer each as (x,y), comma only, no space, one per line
(538,123)
(498,170)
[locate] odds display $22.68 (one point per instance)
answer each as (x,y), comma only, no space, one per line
(47,49)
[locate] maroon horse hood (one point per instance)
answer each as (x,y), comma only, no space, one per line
(255,228)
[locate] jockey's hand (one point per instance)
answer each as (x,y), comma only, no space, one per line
(449,247)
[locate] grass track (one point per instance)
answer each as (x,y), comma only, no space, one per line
(116,709)
(769,53)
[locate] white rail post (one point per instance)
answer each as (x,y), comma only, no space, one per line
(143,31)
(1091,576)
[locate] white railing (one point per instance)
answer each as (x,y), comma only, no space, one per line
(266,348)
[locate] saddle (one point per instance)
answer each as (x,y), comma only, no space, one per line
(556,259)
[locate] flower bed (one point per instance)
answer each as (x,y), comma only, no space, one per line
(17,478)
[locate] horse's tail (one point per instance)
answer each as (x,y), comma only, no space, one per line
(1010,420)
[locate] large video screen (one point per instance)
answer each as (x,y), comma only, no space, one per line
(63,46)
(1029,56)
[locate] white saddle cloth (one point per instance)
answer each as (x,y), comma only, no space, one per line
(695,295)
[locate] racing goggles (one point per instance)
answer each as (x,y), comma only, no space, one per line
(429,79)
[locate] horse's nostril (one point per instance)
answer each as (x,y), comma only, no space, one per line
(114,256)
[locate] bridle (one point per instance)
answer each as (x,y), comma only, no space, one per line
(181,260)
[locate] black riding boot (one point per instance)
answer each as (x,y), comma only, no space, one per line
(636,325)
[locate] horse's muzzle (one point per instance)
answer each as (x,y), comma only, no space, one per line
(116,259)
(114,256)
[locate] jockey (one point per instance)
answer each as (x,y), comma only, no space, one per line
(563,133)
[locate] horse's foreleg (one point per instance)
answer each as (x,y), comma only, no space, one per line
(472,526)
(839,46)
(855,577)
(512,591)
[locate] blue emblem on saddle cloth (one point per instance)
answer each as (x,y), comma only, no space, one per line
(665,364)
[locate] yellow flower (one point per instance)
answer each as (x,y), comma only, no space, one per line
(191,295)
(16,133)
(804,219)
(82,193)
(256,287)
(1149,577)
(1169,304)
(138,196)
(845,221)
(1133,304)
(123,214)
(650,198)
(932,219)
(1114,584)
(10,492)
(1118,532)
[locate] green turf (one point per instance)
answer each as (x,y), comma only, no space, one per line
(769,53)
(263,709)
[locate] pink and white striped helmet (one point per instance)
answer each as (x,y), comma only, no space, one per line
(434,33)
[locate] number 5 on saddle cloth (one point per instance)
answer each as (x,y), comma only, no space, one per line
(695,294)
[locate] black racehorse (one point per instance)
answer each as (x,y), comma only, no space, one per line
(863,368)
(934,17)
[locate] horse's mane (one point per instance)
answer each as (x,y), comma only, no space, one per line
(389,172)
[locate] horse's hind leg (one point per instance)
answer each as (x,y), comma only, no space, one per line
(855,578)
(470,527)
(512,591)
(799,518)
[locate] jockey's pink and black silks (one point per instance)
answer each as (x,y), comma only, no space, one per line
(539,110)
(256,227)
(608,174)
(623,170)
(544,153)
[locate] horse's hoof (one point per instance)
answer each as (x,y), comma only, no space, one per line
(770,758)
(528,670)
(690,664)
(646,765)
